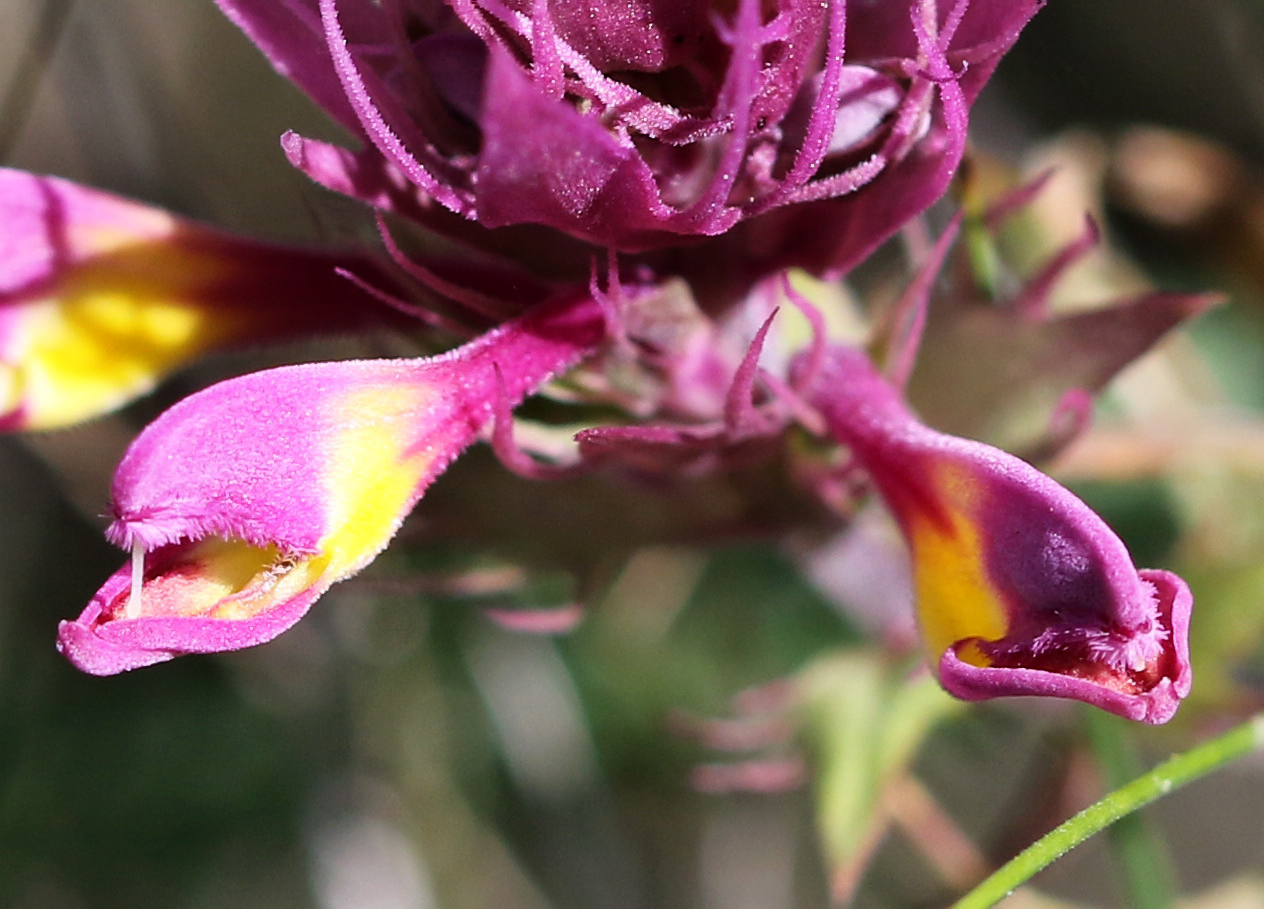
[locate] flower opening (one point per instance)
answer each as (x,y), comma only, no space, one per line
(1021,589)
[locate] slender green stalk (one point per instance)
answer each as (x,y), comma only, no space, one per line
(1141,852)
(1168,776)
(985,259)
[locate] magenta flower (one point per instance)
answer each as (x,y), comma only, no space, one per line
(634,125)
(1021,589)
(100,298)
(243,503)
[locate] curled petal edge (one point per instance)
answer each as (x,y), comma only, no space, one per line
(1155,705)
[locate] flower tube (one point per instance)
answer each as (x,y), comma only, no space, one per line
(1021,588)
(243,503)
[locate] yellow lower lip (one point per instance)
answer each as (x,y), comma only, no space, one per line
(220,579)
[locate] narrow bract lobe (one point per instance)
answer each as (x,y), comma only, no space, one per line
(1021,588)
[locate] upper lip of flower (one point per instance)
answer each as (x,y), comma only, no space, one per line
(1127,659)
(155,525)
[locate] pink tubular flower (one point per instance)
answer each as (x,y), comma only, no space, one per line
(243,503)
(1021,589)
(101,297)
(633,125)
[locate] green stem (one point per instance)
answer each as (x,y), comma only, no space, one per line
(1168,776)
(1141,852)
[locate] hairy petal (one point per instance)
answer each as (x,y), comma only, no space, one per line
(243,503)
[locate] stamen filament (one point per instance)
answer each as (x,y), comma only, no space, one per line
(138,579)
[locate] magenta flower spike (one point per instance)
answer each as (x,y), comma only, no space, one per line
(630,125)
(243,503)
(1021,588)
(101,297)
